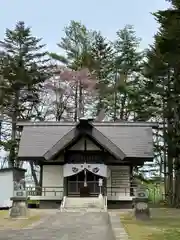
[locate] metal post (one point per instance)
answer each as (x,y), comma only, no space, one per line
(100,186)
(85,178)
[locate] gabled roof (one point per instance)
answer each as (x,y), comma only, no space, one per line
(91,132)
(128,139)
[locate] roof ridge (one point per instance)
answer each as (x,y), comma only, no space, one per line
(55,123)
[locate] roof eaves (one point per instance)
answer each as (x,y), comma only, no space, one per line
(104,124)
(44,124)
(62,143)
(126,124)
(108,144)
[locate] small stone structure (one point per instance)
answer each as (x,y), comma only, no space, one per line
(141,207)
(19,206)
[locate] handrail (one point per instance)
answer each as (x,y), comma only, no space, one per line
(38,187)
(63,203)
(114,191)
(39,191)
(105,203)
(55,191)
(82,182)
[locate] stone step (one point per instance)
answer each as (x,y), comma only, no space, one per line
(83,204)
(82,210)
(82,200)
(88,206)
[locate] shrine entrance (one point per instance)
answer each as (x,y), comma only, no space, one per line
(84,183)
(76,184)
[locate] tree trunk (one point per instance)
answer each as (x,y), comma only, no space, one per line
(124,99)
(169,166)
(33,172)
(115,99)
(176,201)
(12,154)
(80,100)
(76,102)
(164,163)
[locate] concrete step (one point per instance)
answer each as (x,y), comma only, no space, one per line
(83,204)
(82,199)
(82,210)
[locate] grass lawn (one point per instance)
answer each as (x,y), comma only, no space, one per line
(163,225)
(7,223)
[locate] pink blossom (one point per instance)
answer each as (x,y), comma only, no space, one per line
(66,75)
(82,76)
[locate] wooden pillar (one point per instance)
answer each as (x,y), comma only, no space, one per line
(131,180)
(41,175)
(65,187)
(40,190)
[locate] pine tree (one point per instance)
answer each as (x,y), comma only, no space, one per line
(164,72)
(76,45)
(127,70)
(24,69)
(102,55)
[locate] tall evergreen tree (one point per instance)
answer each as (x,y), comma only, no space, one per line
(24,69)
(164,72)
(127,66)
(76,45)
(102,58)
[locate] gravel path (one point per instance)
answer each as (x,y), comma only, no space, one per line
(66,226)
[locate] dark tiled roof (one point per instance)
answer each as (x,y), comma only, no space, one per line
(133,139)
(95,134)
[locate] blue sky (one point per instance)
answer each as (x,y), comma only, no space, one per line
(48,18)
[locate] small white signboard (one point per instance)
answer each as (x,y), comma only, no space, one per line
(20,194)
(100,182)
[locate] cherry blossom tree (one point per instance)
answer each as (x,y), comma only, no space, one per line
(68,91)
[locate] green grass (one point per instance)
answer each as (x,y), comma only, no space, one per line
(33,202)
(3,213)
(163,225)
(155,192)
(8,223)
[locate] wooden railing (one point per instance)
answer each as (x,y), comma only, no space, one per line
(114,191)
(44,191)
(59,191)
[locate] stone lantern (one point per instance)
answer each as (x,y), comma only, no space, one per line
(19,199)
(141,206)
